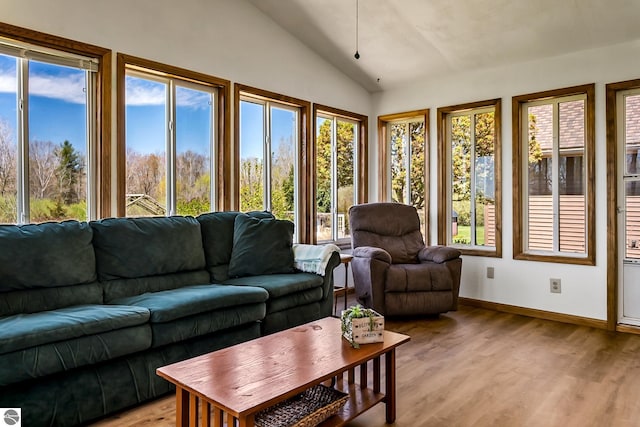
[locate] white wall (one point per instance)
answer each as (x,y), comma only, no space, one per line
(229,39)
(525,283)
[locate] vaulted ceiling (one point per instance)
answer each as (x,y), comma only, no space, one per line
(403,40)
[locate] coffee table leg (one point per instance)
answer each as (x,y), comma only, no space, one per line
(182,407)
(390,385)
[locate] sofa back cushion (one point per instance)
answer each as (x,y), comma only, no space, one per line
(217,237)
(46,255)
(46,266)
(128,248)
(261,246)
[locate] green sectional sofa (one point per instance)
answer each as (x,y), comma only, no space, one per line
(88,311)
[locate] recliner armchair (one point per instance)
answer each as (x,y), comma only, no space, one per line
(393,271)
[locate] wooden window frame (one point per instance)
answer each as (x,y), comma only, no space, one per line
(612,112)
(306,221)
(383,154)
(362,155)
(444,174)
(222,135)
(518,175)
(102,185)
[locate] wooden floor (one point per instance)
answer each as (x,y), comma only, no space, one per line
(477,367)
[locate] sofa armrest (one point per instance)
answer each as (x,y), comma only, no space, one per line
(438,254)
(372,253)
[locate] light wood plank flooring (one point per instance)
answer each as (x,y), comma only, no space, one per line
(477,367)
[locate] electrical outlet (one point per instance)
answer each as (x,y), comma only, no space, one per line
(489,272)
(555,286)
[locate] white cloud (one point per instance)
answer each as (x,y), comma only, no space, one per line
(69,88)
(142,92)
(192,98)
(7,82)
(66,88)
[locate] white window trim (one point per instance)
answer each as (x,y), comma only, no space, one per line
(449,184)
(23,54)
(334,170)
(555,101)
(171,139)
(268,104)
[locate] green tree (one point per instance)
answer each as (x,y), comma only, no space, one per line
(408,139)
(68,171)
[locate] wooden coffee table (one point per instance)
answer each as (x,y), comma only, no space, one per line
(235,383)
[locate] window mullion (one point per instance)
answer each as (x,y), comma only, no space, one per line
(472,176)
(334,179)
(267,157)
(22,166)
(407,164)
(213,149)
(92,188)
(555,175)
(171,148)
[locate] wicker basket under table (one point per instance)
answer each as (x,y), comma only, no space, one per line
(307,409)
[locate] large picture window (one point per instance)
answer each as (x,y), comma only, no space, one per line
(470,197)
(49,135)
(339,141)
(172,131)
(553,158)
(403,152)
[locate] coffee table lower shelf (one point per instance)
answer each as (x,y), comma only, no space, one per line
(360,399)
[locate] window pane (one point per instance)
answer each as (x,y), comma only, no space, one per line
(8,141)
(571,177)
(146,137)
(461,179)
(399,140)
(632,133)
(324,226)
(345,172)
(632,219)
(251,156)
(416,132)
(540,200)
(484,179)
(57,143)
(283,143)
(194,112)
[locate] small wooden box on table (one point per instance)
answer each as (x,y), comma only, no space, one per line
(235,383)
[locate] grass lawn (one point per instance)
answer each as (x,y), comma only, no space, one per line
(464,235)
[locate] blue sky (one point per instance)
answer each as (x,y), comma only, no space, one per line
(57,112)
(56,104)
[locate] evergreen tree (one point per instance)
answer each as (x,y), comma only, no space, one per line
(68,172)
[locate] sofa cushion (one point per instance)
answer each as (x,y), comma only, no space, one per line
(138,247)
(418,277)
(217,235)
(121,288)
(172,304)
(184,328)
(261,246)
(47,359)
(30,330)
(46,255)
(294,300)
(279,285)
(45,299)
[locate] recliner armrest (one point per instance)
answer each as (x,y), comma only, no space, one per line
(438,254)
(372,253)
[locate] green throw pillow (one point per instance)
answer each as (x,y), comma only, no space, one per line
(261,246)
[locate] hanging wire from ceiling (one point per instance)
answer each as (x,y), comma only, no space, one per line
(357,55)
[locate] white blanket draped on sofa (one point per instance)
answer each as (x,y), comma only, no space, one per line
(312,258)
